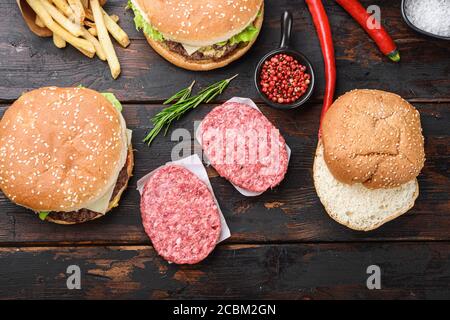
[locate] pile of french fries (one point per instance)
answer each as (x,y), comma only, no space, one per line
(85,25)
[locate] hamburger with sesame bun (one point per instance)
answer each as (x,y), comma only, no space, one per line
(65,153)
(199,35)
(370,152)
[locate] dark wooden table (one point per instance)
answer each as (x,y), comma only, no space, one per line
(283,244)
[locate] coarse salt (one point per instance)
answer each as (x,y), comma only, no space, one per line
(432,16)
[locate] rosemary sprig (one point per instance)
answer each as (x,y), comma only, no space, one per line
(185,102)
(181,95)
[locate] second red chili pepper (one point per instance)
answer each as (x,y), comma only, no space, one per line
(379,35)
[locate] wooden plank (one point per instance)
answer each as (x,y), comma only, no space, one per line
(29,62)
(289,213)
(323,271)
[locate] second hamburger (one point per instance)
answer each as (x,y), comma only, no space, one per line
(65,153)
(199,34)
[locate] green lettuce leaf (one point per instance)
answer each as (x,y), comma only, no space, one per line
(141,24)
(43,215)
(247,35)
(221,44)
(112,98)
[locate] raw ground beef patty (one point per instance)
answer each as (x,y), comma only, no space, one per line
(244,147)
(180,215)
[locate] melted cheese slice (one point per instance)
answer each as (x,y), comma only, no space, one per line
(101,205)
(189,49)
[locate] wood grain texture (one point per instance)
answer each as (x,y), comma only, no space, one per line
(295,271)
(27,61)
(283,244)
(289,213)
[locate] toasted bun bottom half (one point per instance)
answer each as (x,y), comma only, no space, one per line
(112,204)
(203,65)
(356,206)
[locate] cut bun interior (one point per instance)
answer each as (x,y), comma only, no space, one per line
(356,206)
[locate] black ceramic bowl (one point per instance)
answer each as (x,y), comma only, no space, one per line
(286,28)
(412,26)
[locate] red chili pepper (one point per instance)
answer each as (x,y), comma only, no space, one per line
(323,30)
(379,35)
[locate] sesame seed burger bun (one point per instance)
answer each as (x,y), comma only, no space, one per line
(200,23)
(85,215)
(373,137)
(206,64)
(61,149)
(367,160)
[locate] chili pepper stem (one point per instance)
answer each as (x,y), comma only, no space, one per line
(394,56)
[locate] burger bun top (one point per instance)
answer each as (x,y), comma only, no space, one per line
(373,137)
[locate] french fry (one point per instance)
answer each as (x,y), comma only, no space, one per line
(87,53)
(116,31)
(115,18)
(98,47)
(112,26)
(64,7)
(89,24)
(93,31)
(85,3)
(39,22)
(81,44)
(78,9)
(104,38)
(91,27)
(73,28)
(89,14)
(58,41)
